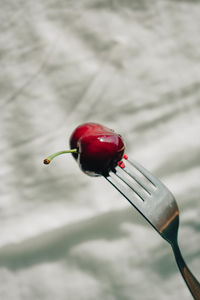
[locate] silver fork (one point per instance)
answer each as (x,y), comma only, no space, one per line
(157,205)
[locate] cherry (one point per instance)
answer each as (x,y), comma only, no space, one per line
(96,148)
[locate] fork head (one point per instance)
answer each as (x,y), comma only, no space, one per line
(149,196)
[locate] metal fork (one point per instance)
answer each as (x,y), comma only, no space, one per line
(157,205)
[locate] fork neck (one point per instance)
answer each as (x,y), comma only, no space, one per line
(190,280)
(171,232)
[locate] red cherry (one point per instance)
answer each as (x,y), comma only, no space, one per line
(99,148)
(96,148)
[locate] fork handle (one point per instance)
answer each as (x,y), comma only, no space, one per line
(191,281)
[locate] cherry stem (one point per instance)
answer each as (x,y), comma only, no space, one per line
(50,157)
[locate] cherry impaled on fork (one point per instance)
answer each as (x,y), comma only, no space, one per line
(96,148)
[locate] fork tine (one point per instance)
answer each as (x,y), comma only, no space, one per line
(135,186)
(131,197)
(146,173)
(141,181)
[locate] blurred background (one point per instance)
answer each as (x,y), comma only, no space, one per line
(132,66)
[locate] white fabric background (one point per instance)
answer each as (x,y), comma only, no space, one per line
(134,67)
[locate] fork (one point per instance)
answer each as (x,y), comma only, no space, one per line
(157,205)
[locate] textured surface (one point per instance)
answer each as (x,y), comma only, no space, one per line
(132,66)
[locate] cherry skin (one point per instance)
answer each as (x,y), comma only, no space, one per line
(96,148)
(82,130)
(99,148)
